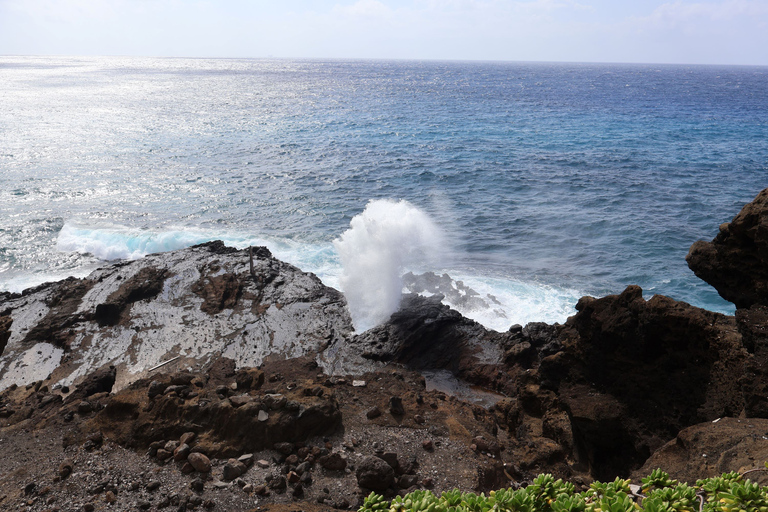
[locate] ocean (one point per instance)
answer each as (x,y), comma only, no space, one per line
(530,184)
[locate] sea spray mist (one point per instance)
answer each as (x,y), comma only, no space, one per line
(381,243)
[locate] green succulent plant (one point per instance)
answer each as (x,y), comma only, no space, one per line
(730,492)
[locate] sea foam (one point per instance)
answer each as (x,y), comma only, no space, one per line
(383,241)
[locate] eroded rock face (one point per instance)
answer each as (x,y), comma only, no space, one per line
(710,449)
(634,372)
(199,303)
(736,261)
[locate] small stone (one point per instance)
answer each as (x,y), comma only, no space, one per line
(65,469)
(428,445)
(181,453)
(218,484)
(143,504)
(163,454)
(171,446)
(187,438)
(262,463)
(233,469)
(246,459)
(298,491)
(396,406)
(200,462)
(292,459)
(248,488)
(358,383)
(187,468)
(110,497)
(239,401)
(29,488)
(419,419)
(84,407)
(428,483)
(260,490)
(153,485)
(240,482)
(263,415)
(373,412)
(293,477)
(306,478)
(156,388)
(278,483)
(88,507)
(197,485)
(333,462)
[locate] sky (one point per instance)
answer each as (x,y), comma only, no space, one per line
(637,31)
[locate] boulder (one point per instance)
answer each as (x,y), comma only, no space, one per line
(375,474)
(200,462)
(735,262)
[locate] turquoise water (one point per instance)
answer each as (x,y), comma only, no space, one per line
(549,181)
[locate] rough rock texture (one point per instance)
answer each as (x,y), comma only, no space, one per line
(204,406)
(633,372)
(736,261)
(197,303)
(711,448)
(424,334)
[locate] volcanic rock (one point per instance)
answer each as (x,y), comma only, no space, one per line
(735,263)
(712,448)
(169,303)
(375,474)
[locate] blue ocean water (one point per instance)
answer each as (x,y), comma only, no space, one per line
(550,181)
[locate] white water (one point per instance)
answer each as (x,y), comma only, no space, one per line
(385,240)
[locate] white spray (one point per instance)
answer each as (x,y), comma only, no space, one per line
(382,242)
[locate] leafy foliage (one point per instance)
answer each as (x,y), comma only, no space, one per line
(730,492)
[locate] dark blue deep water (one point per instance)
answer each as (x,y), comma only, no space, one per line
(549,180)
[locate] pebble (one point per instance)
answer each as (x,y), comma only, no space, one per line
(262,463)
(263,415)
(65,469)
(359,383)
(428,445)
(153,485)
(373,412)
(197,485)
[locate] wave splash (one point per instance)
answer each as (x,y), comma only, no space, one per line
(387,238)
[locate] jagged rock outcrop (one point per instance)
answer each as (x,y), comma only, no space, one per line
(196,304)
(424,333)
(632,373)
(735,263)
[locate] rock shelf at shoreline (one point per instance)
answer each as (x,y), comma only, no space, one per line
(263,363)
